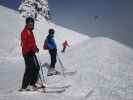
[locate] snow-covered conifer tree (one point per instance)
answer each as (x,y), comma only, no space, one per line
(33,8)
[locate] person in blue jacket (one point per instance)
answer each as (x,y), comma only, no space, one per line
(52,48)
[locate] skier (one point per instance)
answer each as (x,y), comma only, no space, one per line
(52,48)
(29,49)
(65,45)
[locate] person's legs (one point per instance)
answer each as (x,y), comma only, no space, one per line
(53,54)
(52,71)
(63,50)
(27,73)
(35,70)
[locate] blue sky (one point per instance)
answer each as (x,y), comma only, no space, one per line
(10,3)
(109,18)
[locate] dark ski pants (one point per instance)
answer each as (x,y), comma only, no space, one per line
(53,53)
(31,70)
(63,50)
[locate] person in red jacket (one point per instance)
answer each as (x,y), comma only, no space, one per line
(29,49)
(65,45)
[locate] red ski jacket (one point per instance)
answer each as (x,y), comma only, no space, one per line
(28,43)
(65,44)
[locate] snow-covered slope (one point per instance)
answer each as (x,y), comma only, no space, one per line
(104,67)
(12,25)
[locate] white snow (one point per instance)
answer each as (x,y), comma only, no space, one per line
(104,66)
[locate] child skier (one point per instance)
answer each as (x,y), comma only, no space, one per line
(65,45)
(50,44)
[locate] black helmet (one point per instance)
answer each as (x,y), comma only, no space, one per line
(51,31)
(29,19)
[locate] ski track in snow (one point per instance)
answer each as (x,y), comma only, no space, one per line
(104,66)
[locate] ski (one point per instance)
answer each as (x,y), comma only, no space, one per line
(59,87)
(70,73)
(49,90)
(44,90)
(64,73)
(67,73)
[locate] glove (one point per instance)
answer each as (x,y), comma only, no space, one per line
(37,50)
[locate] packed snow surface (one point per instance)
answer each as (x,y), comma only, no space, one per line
(104,66)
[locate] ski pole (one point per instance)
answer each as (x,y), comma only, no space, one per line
(43,79)
(61,65)
(37,63)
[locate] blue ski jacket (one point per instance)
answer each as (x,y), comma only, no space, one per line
(51,42)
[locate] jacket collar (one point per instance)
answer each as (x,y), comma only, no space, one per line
(26,28)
